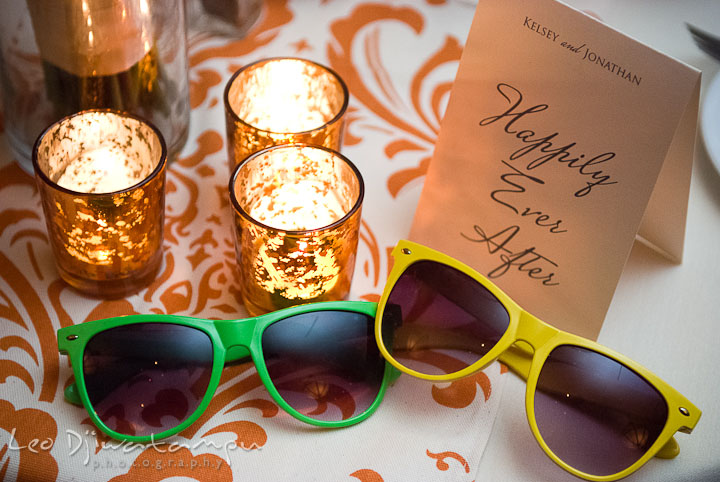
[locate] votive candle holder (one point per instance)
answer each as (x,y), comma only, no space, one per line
(282,101)
(101,177)
(297,211)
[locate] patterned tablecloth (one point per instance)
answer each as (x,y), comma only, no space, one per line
(399,60)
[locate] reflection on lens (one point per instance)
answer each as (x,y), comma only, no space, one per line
(439,320)
(325,364)
(146,378)
(596,414)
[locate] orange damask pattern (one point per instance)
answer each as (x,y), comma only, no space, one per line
(461,393)
(367,475)
(33,432)
(443,465)
(198,276)
(421,138)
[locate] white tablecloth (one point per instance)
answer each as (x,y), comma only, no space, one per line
(396,57)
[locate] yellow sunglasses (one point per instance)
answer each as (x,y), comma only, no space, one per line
(596,413)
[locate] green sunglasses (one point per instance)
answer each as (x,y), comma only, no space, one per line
(146,377)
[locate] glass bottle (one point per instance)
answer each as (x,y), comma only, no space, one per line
(62,56)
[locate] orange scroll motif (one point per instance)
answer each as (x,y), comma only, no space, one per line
(367,475)
(443,465)
(33,434)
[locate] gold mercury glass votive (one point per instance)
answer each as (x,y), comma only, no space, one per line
(282,101)
(297,220)
(101,176)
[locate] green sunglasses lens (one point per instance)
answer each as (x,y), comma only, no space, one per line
(325,364)
(146,378)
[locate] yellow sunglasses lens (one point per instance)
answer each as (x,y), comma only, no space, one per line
(594,413)
(438,320)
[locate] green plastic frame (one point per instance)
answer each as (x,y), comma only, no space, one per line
(232,340)
(524,348)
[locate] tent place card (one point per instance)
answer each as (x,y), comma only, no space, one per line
(562,142)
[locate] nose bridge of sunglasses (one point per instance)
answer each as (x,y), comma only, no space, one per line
(531,334)
(235,336)
(533,331)
(518,358)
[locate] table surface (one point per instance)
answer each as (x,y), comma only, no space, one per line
(394,56)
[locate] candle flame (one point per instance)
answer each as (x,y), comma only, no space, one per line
(102,255)
(282,96)
(105,169)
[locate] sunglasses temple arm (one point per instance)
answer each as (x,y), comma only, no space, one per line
(72,395)
(670,450)
(392,373)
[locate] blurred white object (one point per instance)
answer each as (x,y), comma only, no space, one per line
(710,121)
(230,18)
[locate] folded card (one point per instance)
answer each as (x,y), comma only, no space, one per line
(562,141)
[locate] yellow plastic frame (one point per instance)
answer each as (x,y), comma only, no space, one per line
(524,347)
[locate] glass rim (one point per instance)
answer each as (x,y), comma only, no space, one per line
(95,195)
(297,232)
(241,70)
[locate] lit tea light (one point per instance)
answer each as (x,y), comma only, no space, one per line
(302,205)
(297,219)
(102,170)
(282,101)
(101,176)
